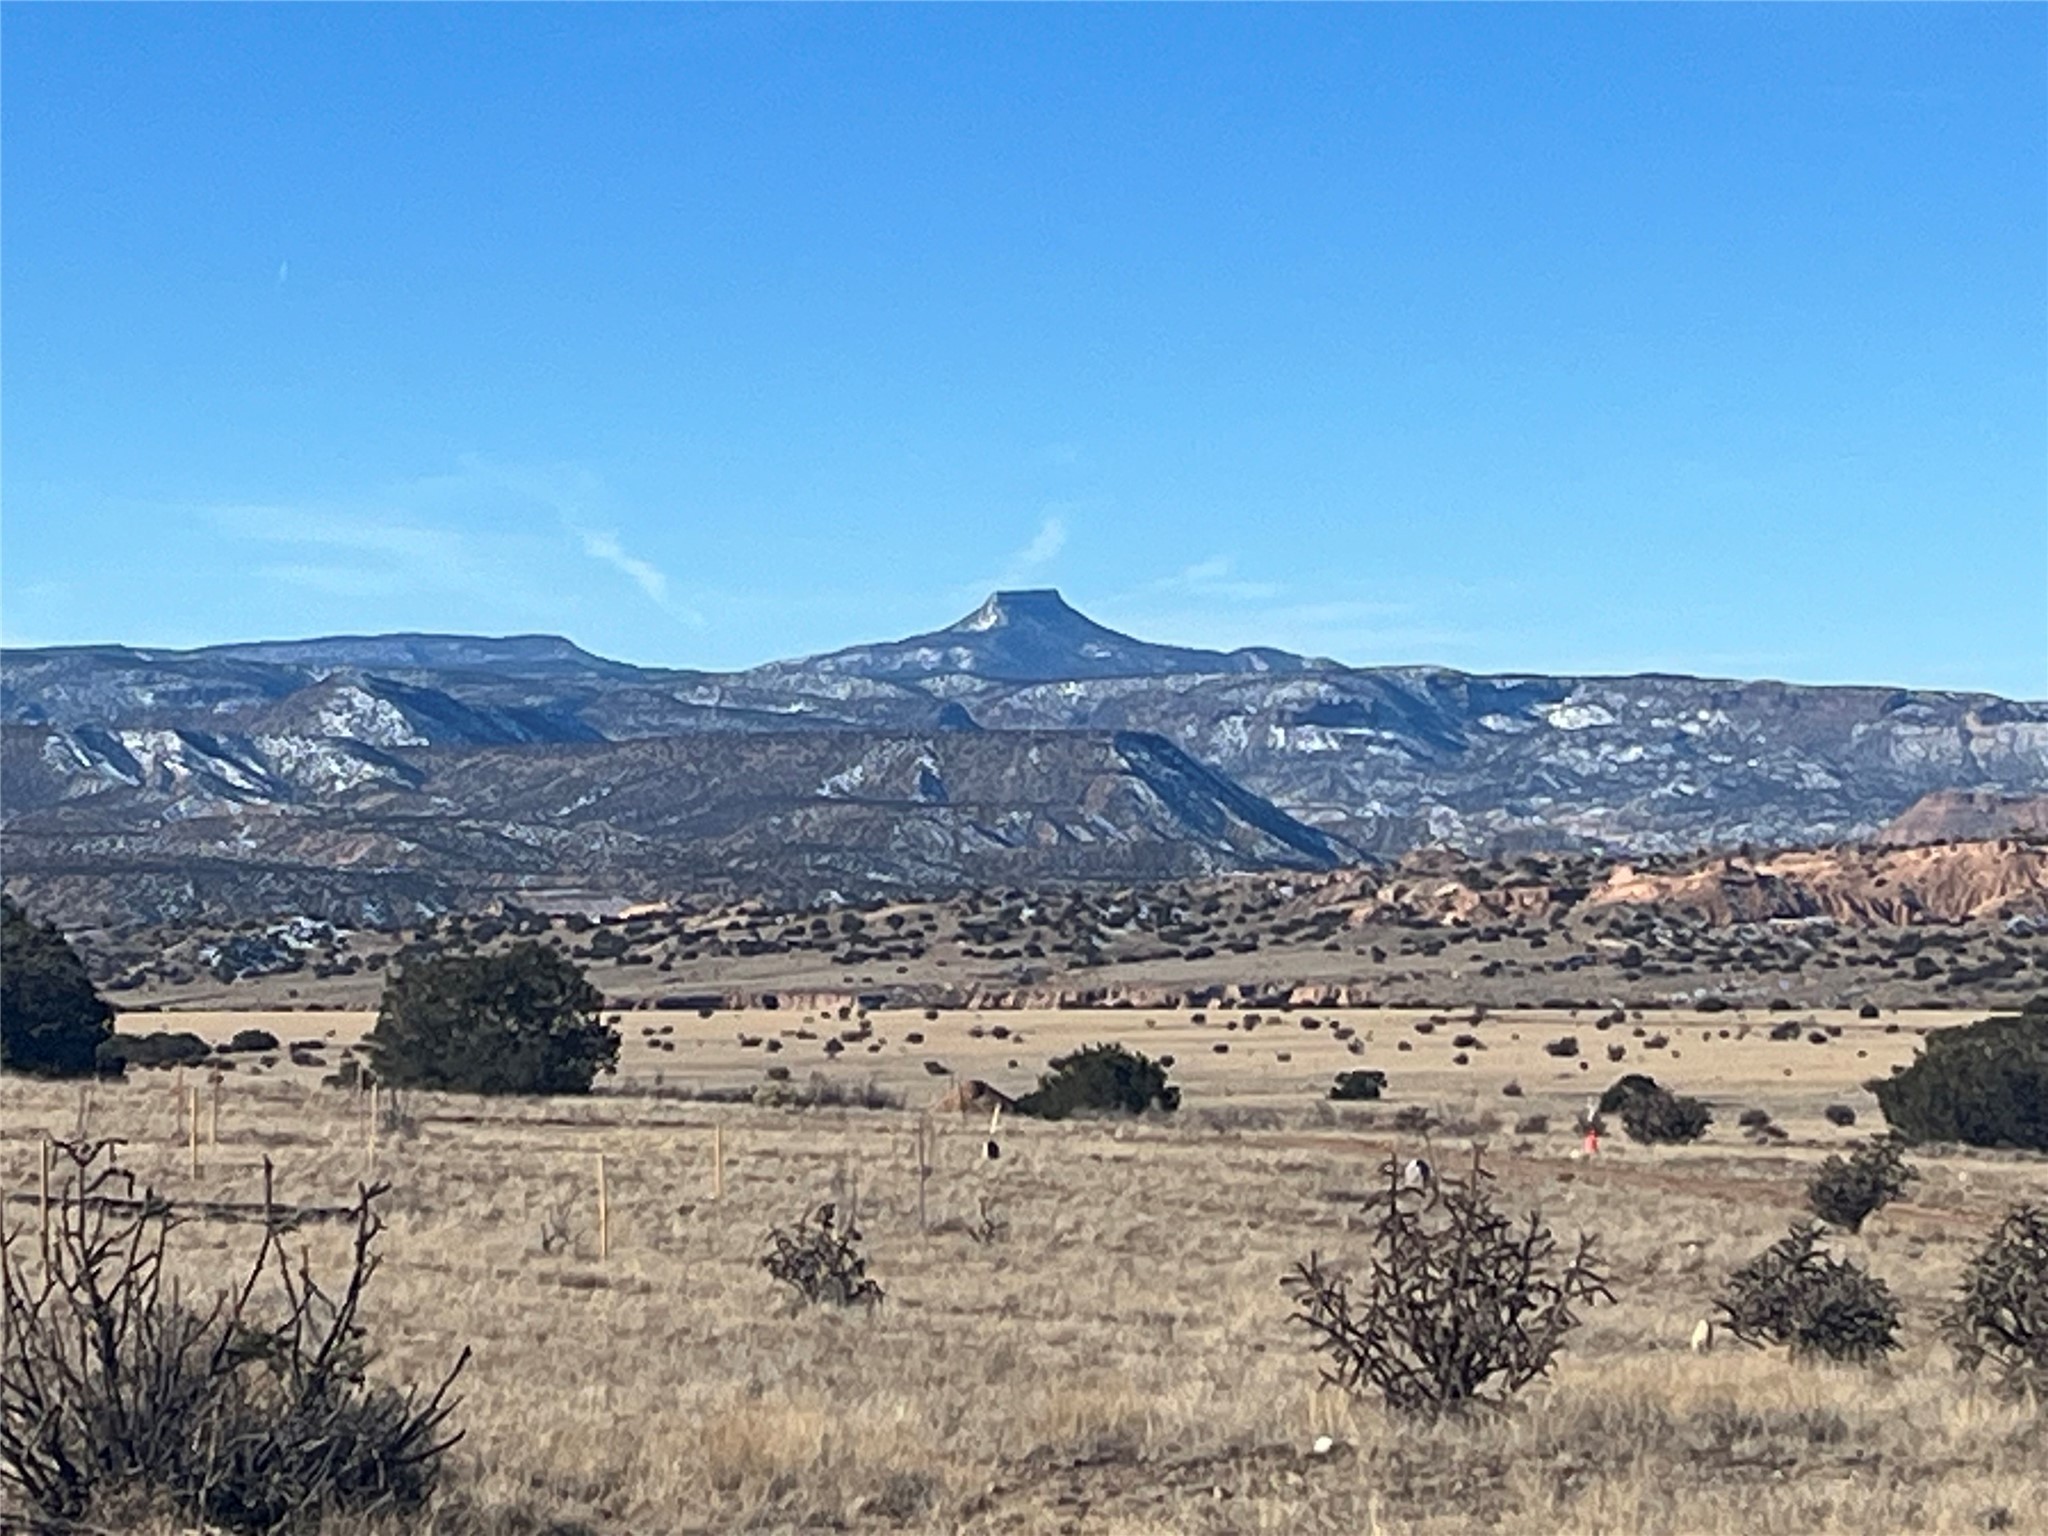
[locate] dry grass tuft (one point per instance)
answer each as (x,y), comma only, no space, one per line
(1121,1361)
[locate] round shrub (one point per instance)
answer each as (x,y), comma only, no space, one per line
(1650,1113)
(1983,1084)
(1847,1190)
(1625,1089)
(1364,1084)
(1665,1117)
(522,1020)
(52,1019)
(1797,1295)
(1100,1079)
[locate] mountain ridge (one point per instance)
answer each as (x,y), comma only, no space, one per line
(118,748)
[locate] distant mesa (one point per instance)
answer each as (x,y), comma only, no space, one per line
(1041,606)
(406,652)
(1025,743)
(1035,635)
(1952,815)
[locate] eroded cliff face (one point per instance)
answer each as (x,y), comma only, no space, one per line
(1948,883)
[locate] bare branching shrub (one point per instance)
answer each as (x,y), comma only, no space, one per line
(1848,1190)
(253,1413)
(989,1226)
(819,1258)
(1796,1294)
(556,1231)
(1459,1305)
(2001,1317)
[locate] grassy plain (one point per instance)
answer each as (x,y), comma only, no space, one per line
(1119,1359)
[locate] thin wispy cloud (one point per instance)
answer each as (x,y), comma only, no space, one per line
(494,534)
(1027,565)
(577,500)
(1216,577)
(602,545)
(1044,547)
(1209,603)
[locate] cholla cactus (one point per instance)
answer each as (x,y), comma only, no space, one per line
(2001,1317)
(1797,1294)
(1458,1304)
(820,1259)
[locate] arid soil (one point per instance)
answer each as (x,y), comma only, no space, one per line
(1088,1334)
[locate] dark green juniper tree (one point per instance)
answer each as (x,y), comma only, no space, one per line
(53,1021)
(522,1020)
(1983,1084)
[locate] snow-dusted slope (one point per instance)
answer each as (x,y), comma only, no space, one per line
(1226,756)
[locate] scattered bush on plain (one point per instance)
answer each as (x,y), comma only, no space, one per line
(1653,1114)
(1797,1295)
(1848,1190)
(1101,1080)
(2000,1318)
(1624,1089)
(1458,1306)
(1363,1084)
(159,1048)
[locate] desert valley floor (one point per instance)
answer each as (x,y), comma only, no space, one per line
(1088,1334)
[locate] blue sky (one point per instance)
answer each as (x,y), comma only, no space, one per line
(1594,338)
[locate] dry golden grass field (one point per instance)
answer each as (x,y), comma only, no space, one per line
(1118,1358)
